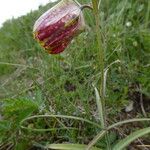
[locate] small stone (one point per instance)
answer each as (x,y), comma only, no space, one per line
(129,108)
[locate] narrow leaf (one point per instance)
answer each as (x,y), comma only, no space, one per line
(103,132)
(96,138)
(126,141)
(99,106)
(69,147)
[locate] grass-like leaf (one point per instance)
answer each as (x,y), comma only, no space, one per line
(103,132)
(126,141)
(70,147)
(54,116)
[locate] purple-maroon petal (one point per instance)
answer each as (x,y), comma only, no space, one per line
(55,29)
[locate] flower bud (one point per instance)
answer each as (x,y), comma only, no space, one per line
(55,29)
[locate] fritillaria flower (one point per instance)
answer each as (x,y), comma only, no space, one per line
(55,29)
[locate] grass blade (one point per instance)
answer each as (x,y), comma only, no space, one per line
(126,141)
(96,138)
(103,132)
(69,147)
(54,116)
(99,106)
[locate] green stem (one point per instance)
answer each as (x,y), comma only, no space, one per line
(101,56)
(147,15)
(101,62)
(86,6)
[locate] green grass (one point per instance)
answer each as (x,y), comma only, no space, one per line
(35,83)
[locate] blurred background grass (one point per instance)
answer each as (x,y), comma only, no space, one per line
(38,83)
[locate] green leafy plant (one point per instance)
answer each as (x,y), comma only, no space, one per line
(115,67)
(100,96)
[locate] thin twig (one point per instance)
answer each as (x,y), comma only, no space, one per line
(105,75)
(142,144)
(145,146)
(141,102)
(17,65)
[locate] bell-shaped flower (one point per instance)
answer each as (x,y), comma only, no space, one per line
(55,29)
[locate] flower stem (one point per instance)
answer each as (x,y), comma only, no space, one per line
(95,4)
(86,6)
(101,55)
